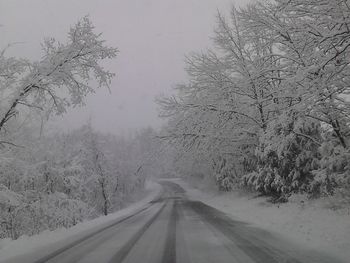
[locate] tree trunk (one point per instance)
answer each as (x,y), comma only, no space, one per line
(336,128)
(105,200)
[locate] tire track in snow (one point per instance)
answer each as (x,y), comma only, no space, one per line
(124,251)
(84,238)
(169,254)
(257,252)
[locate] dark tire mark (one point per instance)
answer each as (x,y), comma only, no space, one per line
(231,229)
(77,242)
(169,254)
(124,251)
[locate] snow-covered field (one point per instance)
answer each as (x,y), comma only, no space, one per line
(313,223)
(51,240)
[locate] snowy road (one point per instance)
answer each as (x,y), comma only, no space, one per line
(175,229)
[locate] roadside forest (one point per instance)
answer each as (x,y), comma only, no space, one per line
(49,178)
(267,108)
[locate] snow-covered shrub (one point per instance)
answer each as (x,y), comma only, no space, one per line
(288,154)
(9,203)
(225,173)
(224,182)
(334,171)
(58,210)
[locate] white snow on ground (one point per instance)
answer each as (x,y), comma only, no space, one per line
(310,222)
(49,241)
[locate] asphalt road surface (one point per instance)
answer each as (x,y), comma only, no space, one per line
(172,229)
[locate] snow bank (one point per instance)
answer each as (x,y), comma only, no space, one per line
(316,223)
(49,241)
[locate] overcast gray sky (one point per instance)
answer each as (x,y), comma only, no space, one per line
(152,35)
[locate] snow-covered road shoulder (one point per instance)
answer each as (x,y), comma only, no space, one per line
(312,223)
(47,242)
